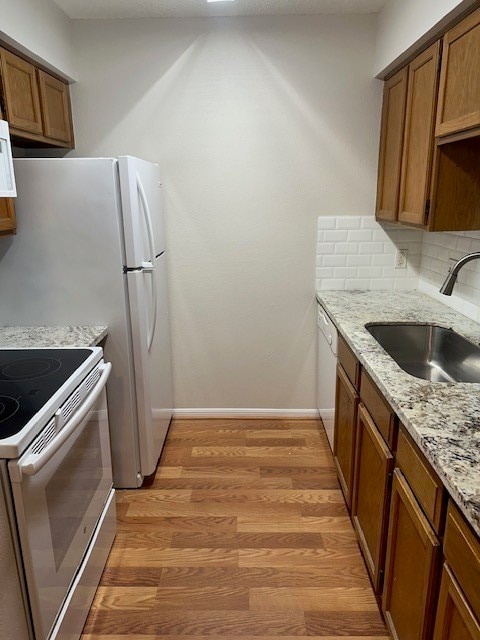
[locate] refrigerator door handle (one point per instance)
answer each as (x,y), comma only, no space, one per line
(147,216)
(150,269)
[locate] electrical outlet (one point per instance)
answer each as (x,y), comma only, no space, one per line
(401,259)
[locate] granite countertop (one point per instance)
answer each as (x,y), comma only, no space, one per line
(32,337)
(442,417)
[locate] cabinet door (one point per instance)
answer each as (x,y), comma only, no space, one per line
(55,103)
(391,144)
(454,620)
(7,216)
(21,93)
(419,136)
(410,566)
(371,493)
(346,403)
(459,94)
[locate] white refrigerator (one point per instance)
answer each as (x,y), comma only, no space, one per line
(90,250)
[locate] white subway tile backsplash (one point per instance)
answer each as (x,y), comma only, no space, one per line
(357,283)
(353,251)
(327,223)
(370,248)
(368,222)
(381,283)
(324,248)
(359,261)
(369,272)
(346,248)
(361,235)
(348,222)
(324,272)
(335,236)
(335,261)
(344,272)
(382,260)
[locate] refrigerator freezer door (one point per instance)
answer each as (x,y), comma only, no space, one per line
(140,189)
(147,291)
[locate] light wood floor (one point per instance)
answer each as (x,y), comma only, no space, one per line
(243,535)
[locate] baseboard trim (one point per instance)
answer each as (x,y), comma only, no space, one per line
(191,414)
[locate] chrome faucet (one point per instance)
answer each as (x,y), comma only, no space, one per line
(447,286)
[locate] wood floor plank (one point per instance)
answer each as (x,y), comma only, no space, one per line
(246,540)
(204,598)
(219,484)
(125,598)
(339,598)
(204,623)
(242,534)
(324,524)
(286,496)
(194,557)
(350,572)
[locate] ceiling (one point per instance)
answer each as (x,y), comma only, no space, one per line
(96,9)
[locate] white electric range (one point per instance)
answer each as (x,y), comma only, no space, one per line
(57,510)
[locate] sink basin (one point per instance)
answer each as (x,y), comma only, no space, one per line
(429,352)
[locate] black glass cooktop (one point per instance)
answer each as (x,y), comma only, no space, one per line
(29,378)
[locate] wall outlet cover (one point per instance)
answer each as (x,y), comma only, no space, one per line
(401,258)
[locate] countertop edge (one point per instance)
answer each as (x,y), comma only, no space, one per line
(462,499)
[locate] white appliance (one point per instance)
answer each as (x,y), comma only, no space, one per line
(90,249)
(7,176)
(326,371)
(57,510)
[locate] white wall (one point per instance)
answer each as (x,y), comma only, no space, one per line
(260,126)
(41,30)
(404,25)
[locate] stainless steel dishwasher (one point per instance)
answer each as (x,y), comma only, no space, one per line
(327,351)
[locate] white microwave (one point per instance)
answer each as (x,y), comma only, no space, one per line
(7,177)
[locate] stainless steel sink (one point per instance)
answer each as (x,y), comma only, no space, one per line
(429,352)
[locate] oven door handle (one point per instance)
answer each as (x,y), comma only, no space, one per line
(39,461)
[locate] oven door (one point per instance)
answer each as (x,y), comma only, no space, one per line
(60,487)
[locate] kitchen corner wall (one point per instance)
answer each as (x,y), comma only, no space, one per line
(259,125)
(355,252)
(439,251)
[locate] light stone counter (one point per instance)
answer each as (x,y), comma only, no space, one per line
(35,337)
(442,417)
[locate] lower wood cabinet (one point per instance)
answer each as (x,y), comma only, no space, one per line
(411,566)
(346,403)
(371,494)
(455,619)
(8,223)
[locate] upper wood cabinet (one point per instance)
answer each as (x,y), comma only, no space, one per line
(406,140)
(391,144)
(418,140)
(459,95)
(22,101)
(55,101)
(36,105)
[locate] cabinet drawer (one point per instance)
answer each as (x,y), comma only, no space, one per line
(349,362)
(424,482)
(379,409)
(462,551)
